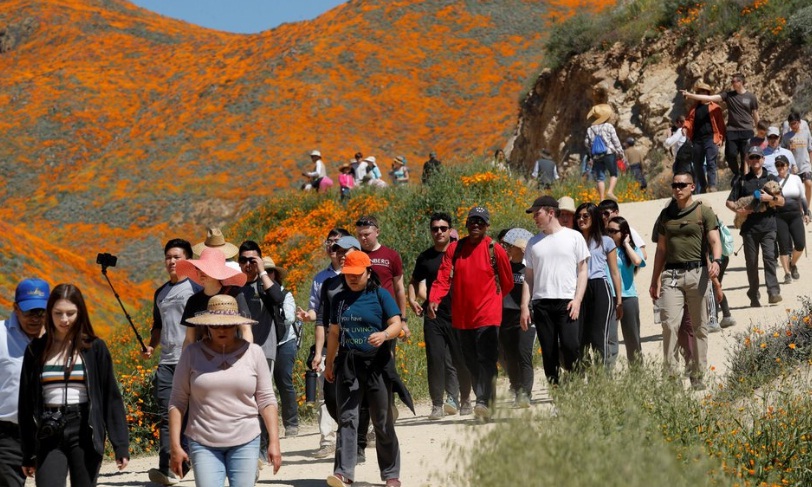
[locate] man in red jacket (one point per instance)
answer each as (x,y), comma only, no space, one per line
(477,273)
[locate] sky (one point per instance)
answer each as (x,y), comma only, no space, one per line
(241,16)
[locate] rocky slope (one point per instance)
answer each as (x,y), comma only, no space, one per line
(643,86)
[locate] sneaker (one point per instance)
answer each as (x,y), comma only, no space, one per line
(436,413)
(727,322)
(697,384)
(714,329)
(156,476)
(794,271)
(522,400)
(450,407)
(787,279)
(754,303)
(360,457)
(325,451)
(392,483)
(466,409)
(775,298)
(338,480)
(481,412)
(292,432)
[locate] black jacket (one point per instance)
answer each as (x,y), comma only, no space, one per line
(107,414)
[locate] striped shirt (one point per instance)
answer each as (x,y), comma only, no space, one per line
(54,386)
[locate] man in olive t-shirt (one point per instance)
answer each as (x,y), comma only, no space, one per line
(685,229)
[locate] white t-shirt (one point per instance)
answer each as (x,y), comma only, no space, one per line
(636,238)
(554,261)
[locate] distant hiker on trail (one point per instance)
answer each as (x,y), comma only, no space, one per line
(774,149)
(346,180)
(544,171)
(399,172)
(635,159)
(705,128)
(318,176)
(477,273)
(354,163)
(674,143)
(742,118)
(368,173)
(499,161)
(604,146)
(798,139)
(430,167)
(790,220)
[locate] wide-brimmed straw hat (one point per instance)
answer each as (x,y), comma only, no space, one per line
(702,86)
(212,262)
(271,266)
(601,113)
(221,311)
(216,240)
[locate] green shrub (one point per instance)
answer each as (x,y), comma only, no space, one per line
(799,26)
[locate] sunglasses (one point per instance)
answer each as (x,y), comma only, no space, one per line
(583,216)
(34,313)
(245,260)
(753,158)
(439,229)
(366,223)
(612,231)
(606,213)
(330,242)
(476,221)
(679,185)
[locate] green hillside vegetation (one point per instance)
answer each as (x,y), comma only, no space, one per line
(634,22)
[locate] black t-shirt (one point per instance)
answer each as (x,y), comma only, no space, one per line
(329,290)
(426,267)
(511,303)
(702,123)
(756,222)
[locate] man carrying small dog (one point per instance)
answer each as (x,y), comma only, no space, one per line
(759,229)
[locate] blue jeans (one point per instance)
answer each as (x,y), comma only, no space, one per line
(283,378)
(213,464)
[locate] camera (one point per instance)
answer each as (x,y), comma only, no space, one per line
(51,425)
(106,260)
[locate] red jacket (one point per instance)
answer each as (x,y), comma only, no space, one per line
(474,300)
(717,122)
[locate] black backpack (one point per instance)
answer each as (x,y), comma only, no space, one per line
(279,318)
(683,162)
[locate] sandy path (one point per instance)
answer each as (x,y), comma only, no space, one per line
(426,453)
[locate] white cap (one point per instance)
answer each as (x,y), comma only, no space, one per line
(315,153)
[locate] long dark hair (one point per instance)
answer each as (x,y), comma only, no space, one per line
(625,230)
(595,232)
(81,334)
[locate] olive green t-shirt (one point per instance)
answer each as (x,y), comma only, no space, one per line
(685,236)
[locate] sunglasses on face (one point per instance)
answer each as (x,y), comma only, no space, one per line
(754,158)
(476,221)
(583,216)
(330,242)
(613,231)
(442,229)
(245,260)
(679,185)
(34,313)
(606,213)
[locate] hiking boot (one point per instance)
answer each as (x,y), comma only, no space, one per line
(436,413)
(325,451)
(714,328)
(697,384)
(466,409)
(392,483)
(481,412)
(787,279)
(727,322)
(793,269)
(775,298)
(159,477)
(451,407)
(338,480)
(292,432)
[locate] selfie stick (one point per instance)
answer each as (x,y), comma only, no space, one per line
(137,335)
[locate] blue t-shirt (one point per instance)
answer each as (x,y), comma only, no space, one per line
(360,314)
(597,257)
(626,267)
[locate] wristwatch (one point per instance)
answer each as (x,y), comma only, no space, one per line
(718,261)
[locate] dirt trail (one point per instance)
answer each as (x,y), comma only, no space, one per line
(427,448)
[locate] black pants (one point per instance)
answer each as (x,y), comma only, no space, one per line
(791,230)
(752,241)
(724,306)
(441,342)
(736,143)
(163,389)
(480,347)
(598,322)
(72,451)
(557,334)
(637,172)
(369,385)
(11,456)
(331,401)
(517,346)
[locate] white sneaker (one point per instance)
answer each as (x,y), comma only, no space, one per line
(727,322)
(158,477)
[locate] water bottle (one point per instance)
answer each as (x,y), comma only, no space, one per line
(657,318)
(311,383)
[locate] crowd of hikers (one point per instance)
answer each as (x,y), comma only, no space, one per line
(229,331)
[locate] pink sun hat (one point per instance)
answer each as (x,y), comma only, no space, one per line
(212,262)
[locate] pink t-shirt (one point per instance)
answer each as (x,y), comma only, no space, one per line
(223,393)
(346,180)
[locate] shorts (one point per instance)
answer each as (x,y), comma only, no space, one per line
(600,165)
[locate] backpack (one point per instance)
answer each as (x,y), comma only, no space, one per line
(683,161)
(458,252)
(726,237)
(279,318)
(598,145)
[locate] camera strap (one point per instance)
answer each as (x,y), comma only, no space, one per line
(68,370)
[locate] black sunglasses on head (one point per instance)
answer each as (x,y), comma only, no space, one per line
(365,223)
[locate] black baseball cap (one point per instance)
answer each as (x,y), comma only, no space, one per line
(541,201)
(480,212)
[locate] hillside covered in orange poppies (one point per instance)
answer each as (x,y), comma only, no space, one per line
(120,128)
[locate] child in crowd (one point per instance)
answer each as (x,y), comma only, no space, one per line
(346,180)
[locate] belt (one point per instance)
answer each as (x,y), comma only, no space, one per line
(70,408)
(685,266)
(9,427)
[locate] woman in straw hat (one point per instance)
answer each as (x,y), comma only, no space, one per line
(364,316)
(222,382)
(604,155)
(211,272)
